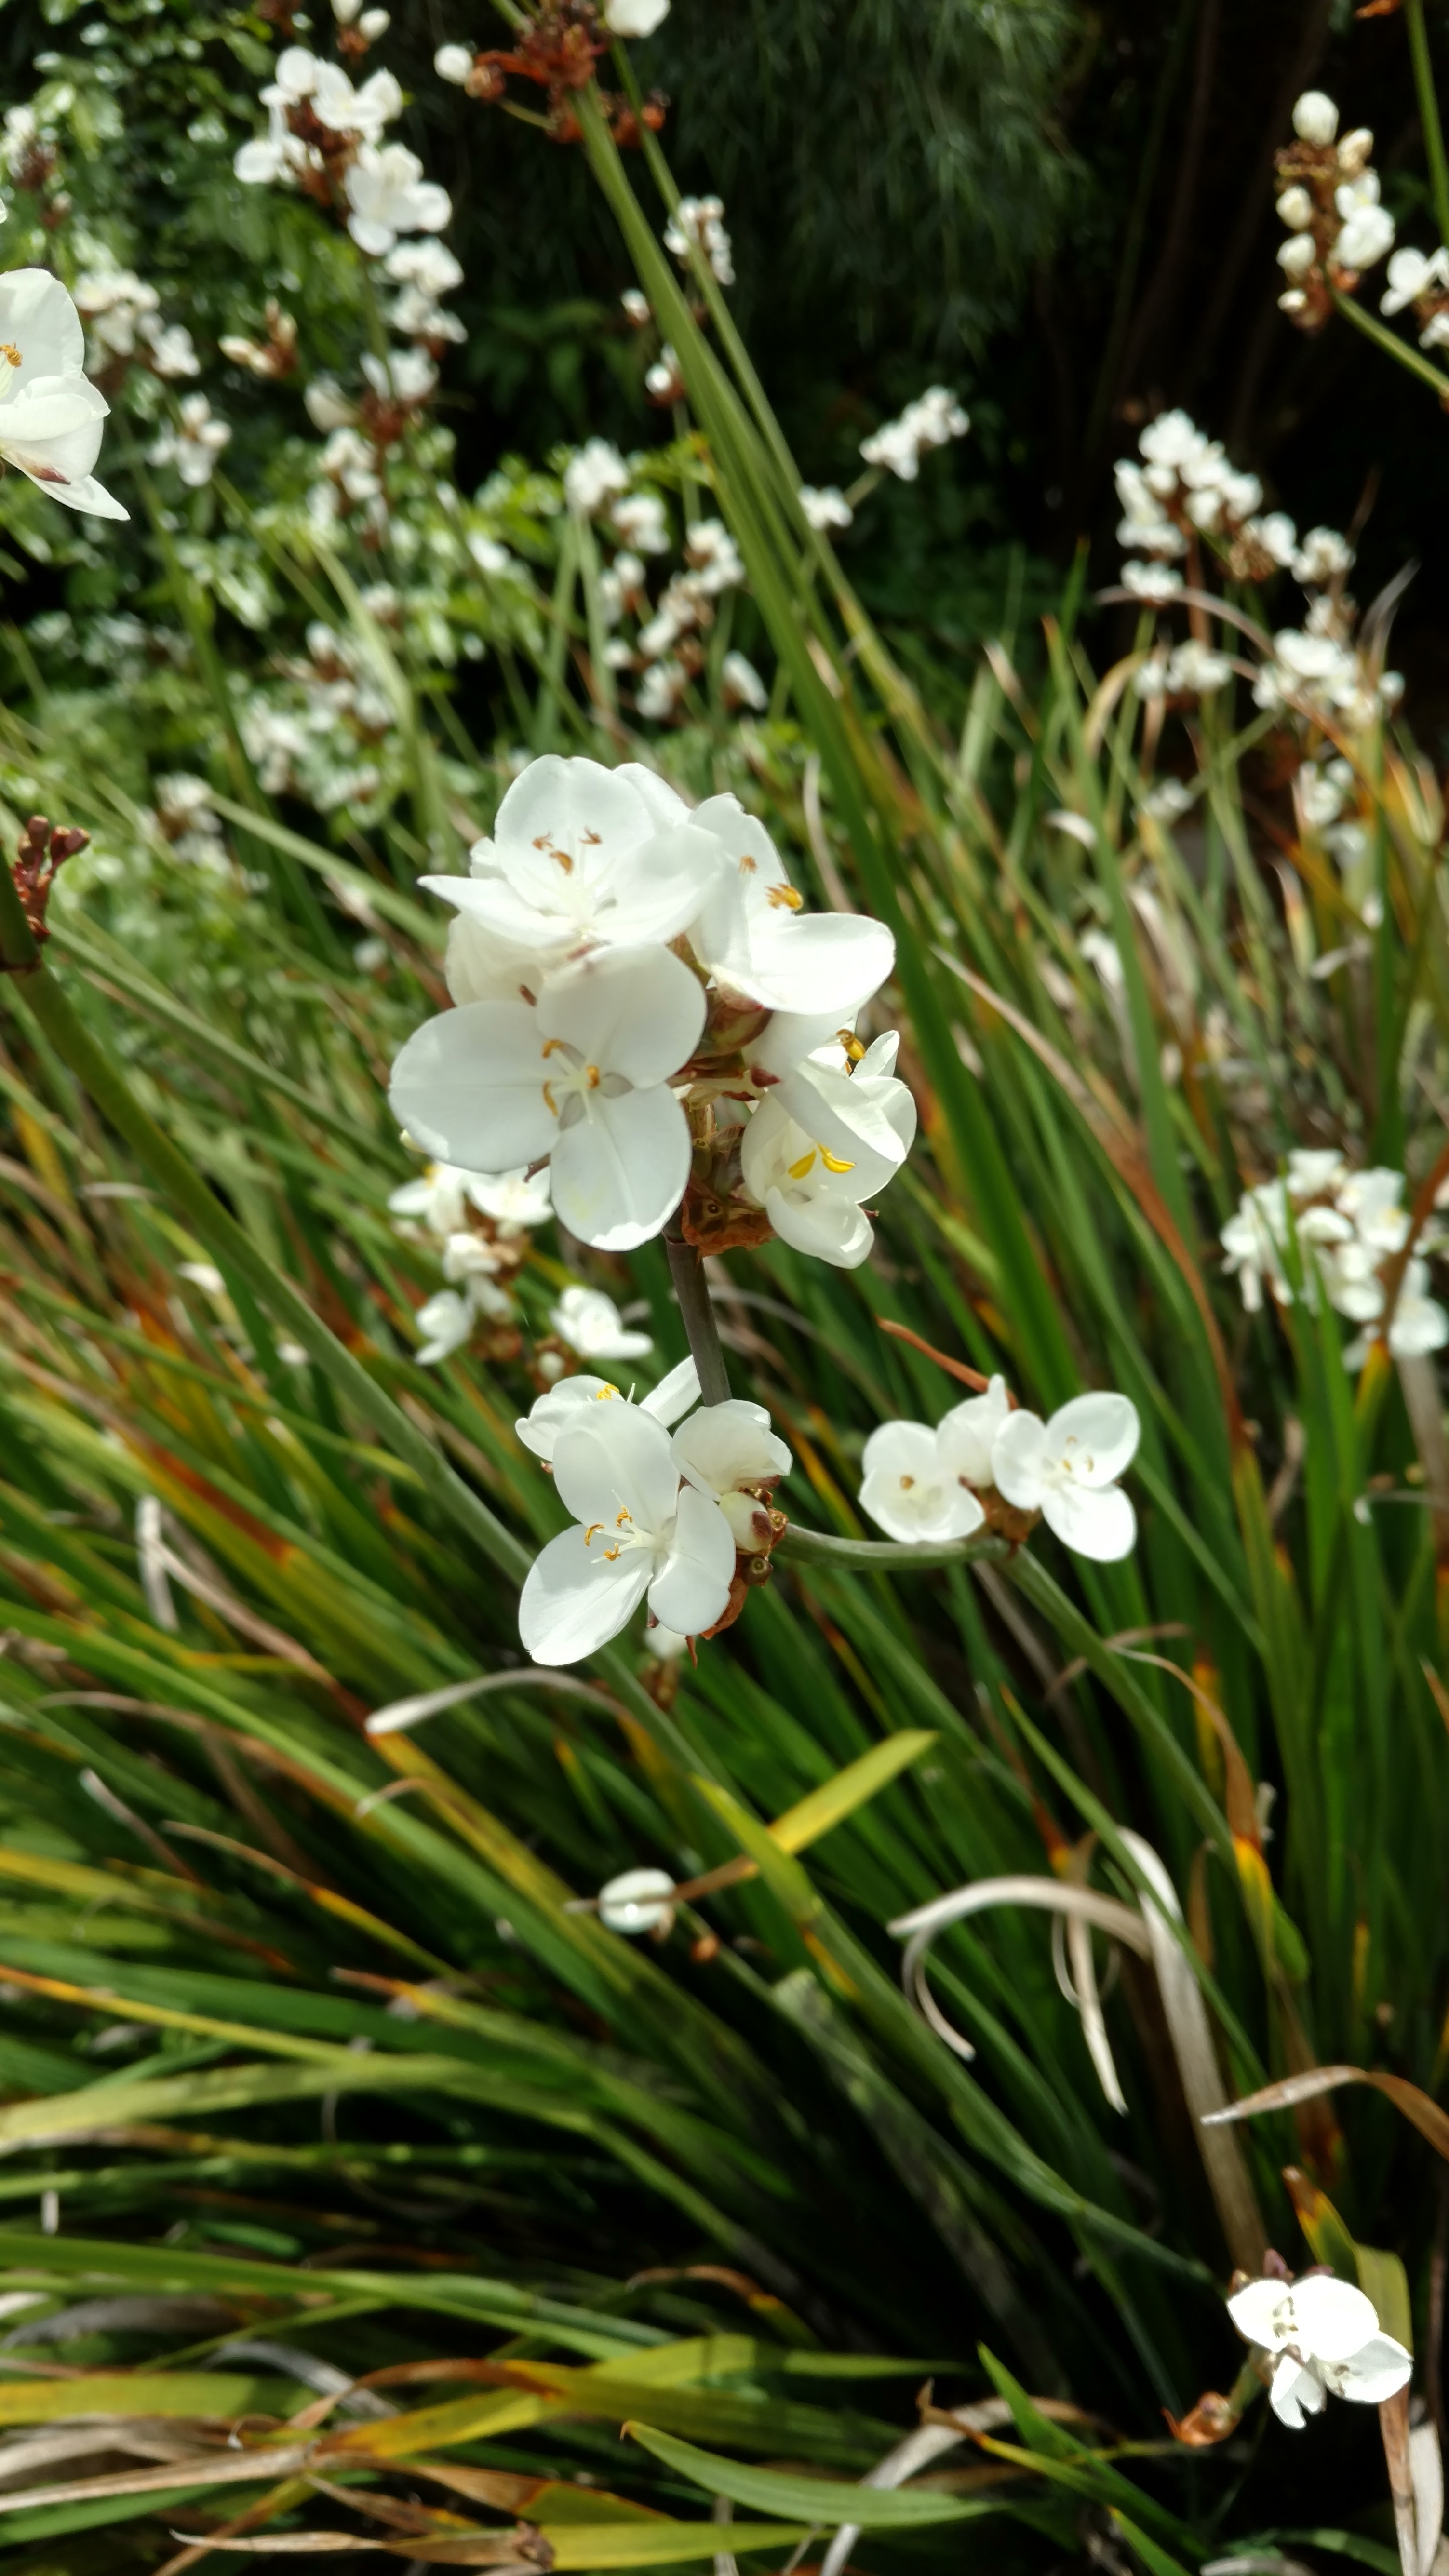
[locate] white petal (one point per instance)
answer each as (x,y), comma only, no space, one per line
(570,1399)
(660,886)
(967,1434)
(636,1901)
(1260,2311)
(789,1036)
(828,1228)
(632,1011)
(1018,1458)
(479,966)
(616,1459)
(1419,1325)
(1331,2319)
(1379,2369)
(562,801)
(693,1587)
(83,492)
(729,1444)
(38,317)
(575,1599)
(867,1124)
(1093,1522)
(901,1449)
(666,807)
(674,1394)
(468,1086)
(825,961)
(445,1323)
(1105,1429)
(1295,2394)
(619,1172)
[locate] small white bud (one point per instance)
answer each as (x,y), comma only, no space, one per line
(1297,254)
(1355,152)
(1315,118)
(1293,302)
(374,23)
(1295,209)
(453,63)
(637,1901)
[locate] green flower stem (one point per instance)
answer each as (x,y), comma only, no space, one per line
(1429,114)
(38,993)
(887,1555)
(1369,324)
(686,1270)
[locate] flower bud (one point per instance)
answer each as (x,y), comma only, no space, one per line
(1315,118)
(453,63)
(1297,254)
(1295,209)
(1355,152)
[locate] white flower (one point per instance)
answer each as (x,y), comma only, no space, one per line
(663,381)
(453,63)
(193,443)
(712,551)
(590,1323)
(512,1200)
(582,1076)
(1368,227)
(638,1899)
(170,349)
(428,265)
(1297,254)
(388,195)
(741,683)
(114,301)
(932,420)
(1195,670)
(440,1196)
(634,17)
(1295,209)
(445,1323)
(593,476)
(568,1403)
(1276,534)
(825,506)
(1315,118)
(810,1168)
(729,1452)
(638,1531)
(1322,557)
(918,1481)
(660,691)
(1323,2338)
(1411,275)
(752,935)
(698,223)
(577,861)
(404,375)
(1067,1469)
(640,520)
(1153,582)
(50,413)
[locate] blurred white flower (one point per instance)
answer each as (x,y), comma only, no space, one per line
(439,1195)
(825,506)
(50,412)
(1315,118)
(590,1323)
(932,420)
(660,691)
(638,1899)
(445,1322)
(712,552)
(1411,275)
(114,301)
(1322,557)
(1323,2339)
(1297,254)
(1367,227)
(405,375)
(1295,209)
(634,17)
(636,306)
(193,442)
(698,223)
(1153,582)
(453,63)
(593,476)
(1195,670)
(514,1200)
(388,195)
(664,381)
(741,684)
(639,519)
(170,351)
(1067,1469)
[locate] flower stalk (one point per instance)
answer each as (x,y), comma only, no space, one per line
(686,1270)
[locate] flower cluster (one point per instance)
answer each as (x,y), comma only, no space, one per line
(1329,203)
(642,1004)
(697,223)
(325,137)
(193,442)
(932,420)
(683,1516)
(125,322)
(50,412)
(1424,283)
(1182,487)
(988,1464)
(557,49)
(1348,1227)
(482,1224)
(1321,2339)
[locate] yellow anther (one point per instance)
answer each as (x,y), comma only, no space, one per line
(565,862)
(747,865)
(9,350)
(799,1170)
(552,1103)
(591,1076)
(785,899)
(554,1046)
(621,1517)
(612,1555)
(854,1048)
(906,1483)
(592,1531)
(833,1162)
(601,1394)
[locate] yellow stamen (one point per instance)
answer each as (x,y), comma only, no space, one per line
(9,350)
(833,1162)
(592,1531)
(785,899)
(552,1103)
(853,1046)
(600,1395)
(553,1046)
(612,1555)
(906,1483)
(747,866)
(799,1170)
(621,1517)
(591,1076)
(565,862)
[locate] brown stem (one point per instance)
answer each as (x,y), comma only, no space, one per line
(1394,2420)
(686,1269)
